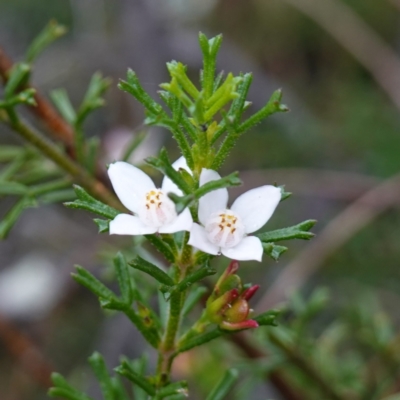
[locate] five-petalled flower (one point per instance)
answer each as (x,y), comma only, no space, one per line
(224,230)
(154,210)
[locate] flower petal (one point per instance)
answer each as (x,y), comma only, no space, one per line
(256,206)
(130,184)
(250,248)
(214,201)
(198,239)
(125,224)
(183,222)
(167,184)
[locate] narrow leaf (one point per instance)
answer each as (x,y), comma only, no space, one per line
(85,278)
(268,318)
(195,277)
(161,246)
(99,368)
(273,250)
(224,386)
(150,269)
(126,370)
(193,298)
(48,35)
(19,75)
(87,202)
(299,231)
(12,216)
(176,388)
(124,279)
(163,164)
(61,100)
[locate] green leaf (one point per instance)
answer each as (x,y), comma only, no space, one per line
(162,247)
(274,251)
(85,278)
(150,269)
(224,94)
(48,35)
(92,151)
(139,366)
(89,203)
(224,386)
(14,166)
(134,87)
(299,231)
(225,182)
(182,202)
(273,106)
(12,188)
(12,216)
(102,224)
(18,77)
(99,368)
(209,49)
(268,318)
(9,153)
(126,370)
(178,70)
(284,195)
(124,279)
(93,100)
(200,340)
(57,196)
(64,390)
(176,388)
(163,165)
(193,298)
(26,96)
(195,277)
(61,100)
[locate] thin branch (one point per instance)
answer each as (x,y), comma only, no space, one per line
(80,175)
(339,231)
(44,110)
(340,21)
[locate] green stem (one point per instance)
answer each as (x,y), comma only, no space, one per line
(63,161)
(168,345)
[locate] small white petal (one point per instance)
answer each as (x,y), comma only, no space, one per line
(198,239)
(183,222)
(256,206)
(250,248)
(214,201)
(169,186)
(125,224)
(130,184)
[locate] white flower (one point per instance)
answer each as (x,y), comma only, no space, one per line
(155,211)
(225,230)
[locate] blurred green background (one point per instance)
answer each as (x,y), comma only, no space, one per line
(337,64)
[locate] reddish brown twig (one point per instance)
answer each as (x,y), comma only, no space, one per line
(57,126)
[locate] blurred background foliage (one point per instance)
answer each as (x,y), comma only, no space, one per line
(338,144)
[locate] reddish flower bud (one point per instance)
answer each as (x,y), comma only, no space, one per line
(230,326)
(238,312)
(250,292)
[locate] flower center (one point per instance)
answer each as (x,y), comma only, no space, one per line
(158,209)
(225,229)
